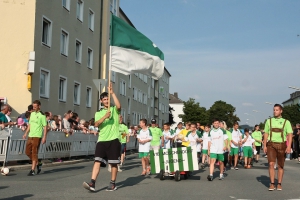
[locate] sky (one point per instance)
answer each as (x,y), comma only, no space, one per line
(245,53)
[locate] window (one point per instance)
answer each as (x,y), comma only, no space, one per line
(145,99)
(88,97)
(141,76)
(77,93)
(113,76)
(66,4)
(46,32)
(78,51)
(113,7)
(136,74)
(159,106)
(140,96)
(62,90)
(90,58)
(145,78)
(123,113)
(91,20)
(152,102)
(149,91)
(135,93)
(44,83)
(152,83)
(64,43)
(122,88)
(129,85)
(79,12)
(162,108)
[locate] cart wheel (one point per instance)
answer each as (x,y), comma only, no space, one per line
(162,175)
(177,176)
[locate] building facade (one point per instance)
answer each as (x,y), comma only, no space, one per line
(56,51)
(293,100)
(177,105)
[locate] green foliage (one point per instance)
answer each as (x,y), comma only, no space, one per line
(291,113)
(193,112)
(224,112)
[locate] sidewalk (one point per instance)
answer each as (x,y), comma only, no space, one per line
(14,166)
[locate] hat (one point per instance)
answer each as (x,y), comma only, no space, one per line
(21,122)
(153,121)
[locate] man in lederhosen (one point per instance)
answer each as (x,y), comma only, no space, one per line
(277,132)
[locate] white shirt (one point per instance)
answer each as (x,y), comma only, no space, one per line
(192,137)
(8,118)
(144,135)
(205,139)
(217,137)
(236,137)
(177,132)
(248,142)
(167,141)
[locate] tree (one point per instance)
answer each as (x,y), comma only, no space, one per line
(291,113)
(171,117)
(193,112)
(224,112)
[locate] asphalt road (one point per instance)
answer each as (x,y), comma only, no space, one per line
(65,182)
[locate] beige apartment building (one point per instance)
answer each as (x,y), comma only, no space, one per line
(52,51)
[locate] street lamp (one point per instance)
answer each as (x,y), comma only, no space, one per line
(269,103)
(252,116)
(295,88)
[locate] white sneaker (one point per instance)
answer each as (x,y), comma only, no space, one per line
(287,159)
(119,170)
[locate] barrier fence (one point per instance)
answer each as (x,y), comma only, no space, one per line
(13,146)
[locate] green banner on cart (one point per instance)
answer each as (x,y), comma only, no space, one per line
(171,160)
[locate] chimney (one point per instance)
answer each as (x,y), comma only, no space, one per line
(176,94)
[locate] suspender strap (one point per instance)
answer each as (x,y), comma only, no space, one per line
(282,131)
(271,129)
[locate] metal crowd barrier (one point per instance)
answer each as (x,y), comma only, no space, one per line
(13,146)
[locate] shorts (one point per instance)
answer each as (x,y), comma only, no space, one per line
(219,157)
(154,147)
(109,150)
(204,151)
(234,151)
(123,148)
(248,152)
(143,154)
(276,150)
(258,149)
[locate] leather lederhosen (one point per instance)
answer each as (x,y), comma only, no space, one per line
(276,150)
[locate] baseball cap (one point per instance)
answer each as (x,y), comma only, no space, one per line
(153,121)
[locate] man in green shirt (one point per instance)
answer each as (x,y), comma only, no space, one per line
(278,132)
(124,138)
(257,136)
(108,145)
(157,135)
(37,125)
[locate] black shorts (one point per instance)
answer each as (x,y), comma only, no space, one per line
(108,150)
(258,149)
(123,148)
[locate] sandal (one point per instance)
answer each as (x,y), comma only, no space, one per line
(245,166)
(144,173)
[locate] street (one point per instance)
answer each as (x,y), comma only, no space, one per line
(65,182)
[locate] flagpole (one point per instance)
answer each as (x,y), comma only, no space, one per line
(109,78)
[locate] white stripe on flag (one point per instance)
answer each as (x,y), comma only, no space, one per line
(166,158)
(175,157)
(195,159)
(156,158)
(185,158)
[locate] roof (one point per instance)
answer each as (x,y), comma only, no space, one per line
(173,99)
(293,96)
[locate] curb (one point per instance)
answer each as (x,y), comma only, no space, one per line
(45,165)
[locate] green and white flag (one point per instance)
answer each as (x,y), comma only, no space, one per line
(171,160)
(133,52)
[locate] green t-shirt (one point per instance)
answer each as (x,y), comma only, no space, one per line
(229,135)
(123,129)
(37,123)
(278,123)
(156,135)
(257,136)
(109,129)
(3,118)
